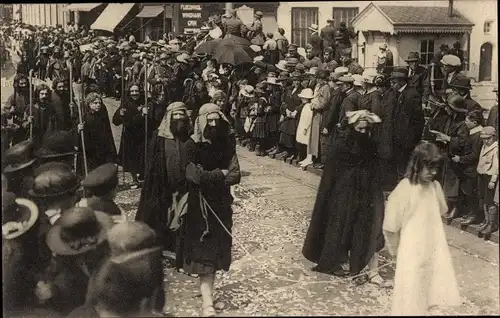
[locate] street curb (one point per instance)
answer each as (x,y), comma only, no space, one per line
(471,229)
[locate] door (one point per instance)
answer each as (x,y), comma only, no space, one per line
(485,62)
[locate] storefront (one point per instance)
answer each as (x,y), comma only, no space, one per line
(190,17)
(155,20)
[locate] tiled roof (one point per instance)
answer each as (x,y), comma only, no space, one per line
(424,16)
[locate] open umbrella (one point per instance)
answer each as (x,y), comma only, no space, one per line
(233,39)
(207,47)
(233,54)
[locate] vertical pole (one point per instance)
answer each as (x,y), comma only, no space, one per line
(165,6)
(229,6)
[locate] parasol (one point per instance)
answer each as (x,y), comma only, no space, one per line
(233,54)
(208,47)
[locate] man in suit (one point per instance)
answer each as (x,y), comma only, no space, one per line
(460,85)
(417,74)
(328,34)
(450,65)
(232,25)
(316,41)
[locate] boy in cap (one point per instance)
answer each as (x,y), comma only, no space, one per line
(100,187)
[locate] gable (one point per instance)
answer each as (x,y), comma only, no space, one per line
(371,19)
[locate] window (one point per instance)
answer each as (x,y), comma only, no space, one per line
(302,18)
(344,15)
(426,51)
(487,27)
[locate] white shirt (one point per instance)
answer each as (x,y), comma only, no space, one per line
(402,88)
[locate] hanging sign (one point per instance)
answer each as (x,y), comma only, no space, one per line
(191,17)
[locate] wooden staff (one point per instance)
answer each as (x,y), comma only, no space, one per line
(70,68)
(145,61)
(82,136)
(31,102)
(123,125)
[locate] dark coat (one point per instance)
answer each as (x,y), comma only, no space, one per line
(472,105)
(417,80)
(199,251)
(45,121)
(493,117)
(371,101)
(328,36)
(317,44)
(349,104)
(346,222)
(331,116)
(469,157)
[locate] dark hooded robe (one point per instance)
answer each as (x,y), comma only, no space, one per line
(204,245)
(346,223)
(165,175)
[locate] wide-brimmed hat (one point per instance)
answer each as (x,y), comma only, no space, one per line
(57,144)
(460,81)
(457,103)
(255,48)
(314,27)
(19,156)
(272,80)
(306,93)
(346,79)
(342,70)
(248,91)
(369,76)
(78,230)
(358,79)
(183,58)
(282,65)
(53,179)
(487,132)
(18,215)
(413,57)
(451,60)
(399,73)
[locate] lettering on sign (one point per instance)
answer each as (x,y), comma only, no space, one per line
(191,15)
(190,7)
(192,23)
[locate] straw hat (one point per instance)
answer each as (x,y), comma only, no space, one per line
(248,91)
(358,79)
(314,27)
(487,132)
(18,215)
(282,65)
(306,93)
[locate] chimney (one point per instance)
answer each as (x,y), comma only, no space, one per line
(450,8)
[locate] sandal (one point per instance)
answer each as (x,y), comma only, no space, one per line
(379,281)
(208,311)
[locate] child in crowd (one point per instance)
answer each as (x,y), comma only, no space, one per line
(487,169)
(304,128)
(415,235)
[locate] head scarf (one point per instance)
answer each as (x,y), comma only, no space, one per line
(164,128)
(355,116)
(201,121)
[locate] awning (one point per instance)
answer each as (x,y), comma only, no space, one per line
(111,16)
(81,6)
(150,11)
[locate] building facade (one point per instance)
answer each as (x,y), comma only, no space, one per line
(45,14)
(482,46)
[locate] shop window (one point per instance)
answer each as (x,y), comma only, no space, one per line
(426,51)
(344,15)
(302,18)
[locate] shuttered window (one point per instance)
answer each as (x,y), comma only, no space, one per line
(344,15)
(426,51)
(302,18)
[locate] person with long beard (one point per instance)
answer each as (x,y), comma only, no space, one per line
(63,106)
(132,145)
(57,65)
(19,102)
(45,119)
(346,223)
(99,142)
(164,182)
(204,245)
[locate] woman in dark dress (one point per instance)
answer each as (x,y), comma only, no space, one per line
(99,143)
(132,145)
(346,223)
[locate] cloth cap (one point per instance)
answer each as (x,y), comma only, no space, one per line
(488,131)
(341,70)
(451,60)
(346,79)
(102,179)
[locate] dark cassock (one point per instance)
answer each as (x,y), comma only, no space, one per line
(204,245)
(20,101)
(165,186)
(63,106)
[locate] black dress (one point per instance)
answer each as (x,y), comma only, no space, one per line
(346,223)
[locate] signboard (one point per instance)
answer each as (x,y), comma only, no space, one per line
(191,17)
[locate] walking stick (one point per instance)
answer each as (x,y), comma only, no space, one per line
(123,125)
(70,68)
(31,102)
(145,61)
(82,136)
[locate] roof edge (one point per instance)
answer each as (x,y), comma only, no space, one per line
(369,6)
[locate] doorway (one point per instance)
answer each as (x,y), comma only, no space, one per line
(485,62)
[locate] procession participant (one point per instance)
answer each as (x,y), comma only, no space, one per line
(450,65)
(19,162)
(42,62)
(423,266)
(385,59)
(158,104)
(328,35)
(460,85)
(19,251)
(289,119)
(401,129)
(131,114)
(303,136)
(9,126)
(213,168)
(270,47)
(487,169)
(320,103)
(113,67)
(63,106)
(464,161)
(23,67)
(331,116)
(417,74)
(127,285)
(57,67)
(343,229)
(164,185)
(282,43)
(100,188)
(351,99)
(78,243)
(451,137)
(98,137)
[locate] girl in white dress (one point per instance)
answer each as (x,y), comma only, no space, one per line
(305,122)
(414,234)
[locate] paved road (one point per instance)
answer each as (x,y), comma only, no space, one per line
(270,277)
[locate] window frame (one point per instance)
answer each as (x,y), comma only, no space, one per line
(344,9)
(427,55)
(301,34)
